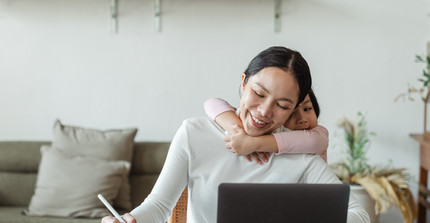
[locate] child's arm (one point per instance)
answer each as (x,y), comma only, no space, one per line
(300,141)
(222,113)
(314,141)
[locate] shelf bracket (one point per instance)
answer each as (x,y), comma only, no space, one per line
(277,18)
(114,16)
(157,15)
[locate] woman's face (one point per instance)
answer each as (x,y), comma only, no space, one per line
(303,117)
(268,99)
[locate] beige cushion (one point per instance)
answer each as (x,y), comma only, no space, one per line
(67,185)
(116,144)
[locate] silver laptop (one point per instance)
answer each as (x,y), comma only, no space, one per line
(291,203)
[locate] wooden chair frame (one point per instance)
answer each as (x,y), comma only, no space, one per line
(179,214)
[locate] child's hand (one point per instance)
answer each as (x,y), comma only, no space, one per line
(239,142)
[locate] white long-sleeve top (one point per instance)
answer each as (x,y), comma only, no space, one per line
(198,157)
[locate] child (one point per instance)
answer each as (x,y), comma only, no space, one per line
(307,137)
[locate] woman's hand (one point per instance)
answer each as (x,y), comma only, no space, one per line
(241,143)
(128,218)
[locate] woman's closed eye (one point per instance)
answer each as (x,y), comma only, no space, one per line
(284,107)
(258,94)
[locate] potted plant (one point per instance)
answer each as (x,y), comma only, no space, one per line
(385,186)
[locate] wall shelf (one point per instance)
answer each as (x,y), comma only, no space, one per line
(157,16)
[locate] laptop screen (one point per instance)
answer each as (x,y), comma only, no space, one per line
(292,203)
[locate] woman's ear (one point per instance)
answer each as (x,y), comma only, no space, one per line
(242,86)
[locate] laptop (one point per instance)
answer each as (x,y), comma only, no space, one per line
(291,203)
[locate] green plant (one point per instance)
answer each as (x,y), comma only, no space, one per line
(357,139)
(387,186)
(425,79)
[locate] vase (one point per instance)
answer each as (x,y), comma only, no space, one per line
(364,199)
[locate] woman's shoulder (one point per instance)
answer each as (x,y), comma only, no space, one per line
(196,121)
(200,129)
(199,123)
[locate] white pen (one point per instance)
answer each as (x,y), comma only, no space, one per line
(110,208)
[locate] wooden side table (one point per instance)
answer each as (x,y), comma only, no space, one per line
(423,190)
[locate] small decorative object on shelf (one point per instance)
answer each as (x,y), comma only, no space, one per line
(277,16)
(386,186)
(157,15)
(114,17)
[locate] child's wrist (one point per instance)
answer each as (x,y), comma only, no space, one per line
(262,144)
(254,144)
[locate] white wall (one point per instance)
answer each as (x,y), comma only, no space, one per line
(58,60)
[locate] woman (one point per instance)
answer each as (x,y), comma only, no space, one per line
(275,81)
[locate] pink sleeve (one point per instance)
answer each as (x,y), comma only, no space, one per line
(313,141)
(216,106)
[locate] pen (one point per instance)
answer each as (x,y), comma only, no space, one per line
(110,208)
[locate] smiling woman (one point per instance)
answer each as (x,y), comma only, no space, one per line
(269,98)
(275,81)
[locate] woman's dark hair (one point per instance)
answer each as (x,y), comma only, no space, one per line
(314,102)
(286,59)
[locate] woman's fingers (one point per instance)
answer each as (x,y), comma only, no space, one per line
(129,218)
(109,219)
(264,156)
(256,158)
(248,157)
(267,156)
(259,157)
(126,217)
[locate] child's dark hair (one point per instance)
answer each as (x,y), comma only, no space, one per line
(314,102)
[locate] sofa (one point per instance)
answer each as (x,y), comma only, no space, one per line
(19,163)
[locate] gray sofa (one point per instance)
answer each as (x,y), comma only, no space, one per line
(19,162)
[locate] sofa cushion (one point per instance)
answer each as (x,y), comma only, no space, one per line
(16,188)
(114,144)
(20,156)
(67,185)
(15,215)
(19,161)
